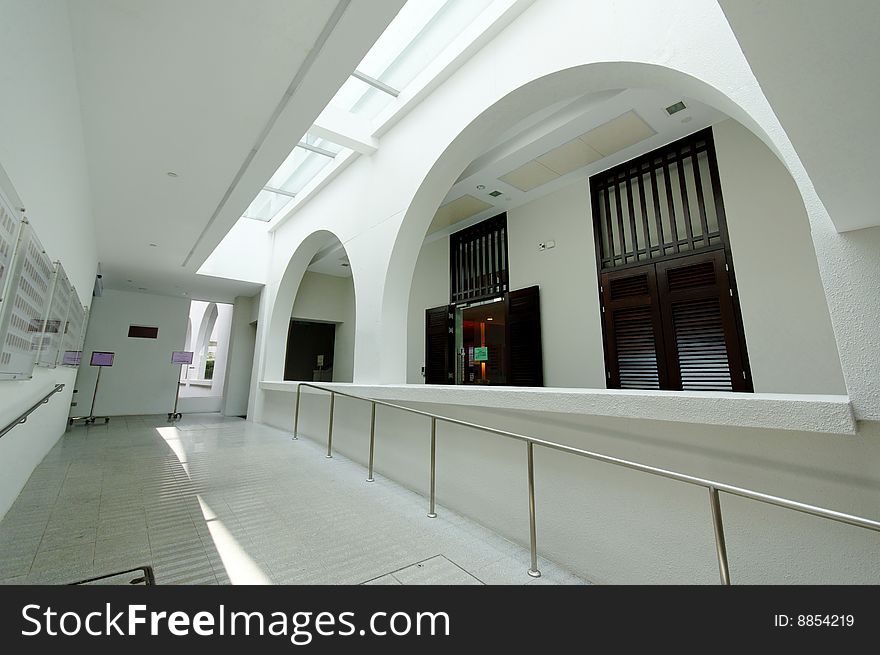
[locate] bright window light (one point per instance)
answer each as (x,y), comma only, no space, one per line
(418,34)
(300,167)
(266,205)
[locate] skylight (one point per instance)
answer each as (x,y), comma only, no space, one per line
(308,158)
(418,35)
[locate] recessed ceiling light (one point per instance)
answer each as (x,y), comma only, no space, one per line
(344,264)
(480,187)
(142,288)
(171,174)
(490,319)
(153,245)
(677,107)
(495,193)
(130,281)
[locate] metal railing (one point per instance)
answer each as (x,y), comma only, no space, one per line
(23,417)
(712,486)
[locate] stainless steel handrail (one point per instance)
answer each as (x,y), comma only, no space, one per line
(713,486)
(23,417)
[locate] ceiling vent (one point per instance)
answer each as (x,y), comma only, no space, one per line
(677,107)
(495,193)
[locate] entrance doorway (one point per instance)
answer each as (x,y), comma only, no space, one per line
(310,349)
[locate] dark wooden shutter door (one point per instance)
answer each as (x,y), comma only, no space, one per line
(524,338)
(633,331)
(699,324)
(438,345)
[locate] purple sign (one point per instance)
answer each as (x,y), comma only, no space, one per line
(102,359)
(71,357)
(181,357)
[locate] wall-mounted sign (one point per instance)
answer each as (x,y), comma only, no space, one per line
(101,359)
(181,357)
(25,306)
(71,358)
(49,343)
(481,354)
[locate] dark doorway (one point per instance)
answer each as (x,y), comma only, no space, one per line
(310,351)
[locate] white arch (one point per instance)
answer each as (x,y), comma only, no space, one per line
(284,297)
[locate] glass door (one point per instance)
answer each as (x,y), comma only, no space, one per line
(481,342)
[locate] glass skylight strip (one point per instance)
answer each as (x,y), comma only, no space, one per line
(266,205)
(373,82)
(316,149)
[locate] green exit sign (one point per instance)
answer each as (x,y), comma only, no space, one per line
(481,354)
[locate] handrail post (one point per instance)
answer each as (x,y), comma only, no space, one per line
(372,440)
(720,546)
(431,513)
(533,539)
(296,412)
(330,427)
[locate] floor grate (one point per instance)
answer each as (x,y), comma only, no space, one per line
(142,575)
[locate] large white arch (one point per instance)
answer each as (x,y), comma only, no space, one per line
(382,204)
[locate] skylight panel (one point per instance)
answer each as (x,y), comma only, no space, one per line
(418,35)
(425,29)
(266,205)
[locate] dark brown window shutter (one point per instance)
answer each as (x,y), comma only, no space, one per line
(633,333)
(438,345)
(699,324)
(524,338)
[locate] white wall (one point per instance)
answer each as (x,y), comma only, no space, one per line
(430,288)
(330,299)
(618,526)
(239,361)
(571,326)
(142,379)
(785,314)
(42,151)
(788,331)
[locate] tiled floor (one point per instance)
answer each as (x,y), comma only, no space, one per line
(217,500)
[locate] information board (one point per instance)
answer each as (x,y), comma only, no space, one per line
(71,342)
(48,344)
(101,359)
(181,357)
(10,224)
(25,305)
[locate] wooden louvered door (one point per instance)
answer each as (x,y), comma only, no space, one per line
(439,347)
(700,329)
(526,364)
(634,351)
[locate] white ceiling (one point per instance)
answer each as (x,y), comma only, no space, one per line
(817,62)
(199,88)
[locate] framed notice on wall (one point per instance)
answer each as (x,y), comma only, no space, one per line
(24,307)
(48,343)
(74,329)
(10,224)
